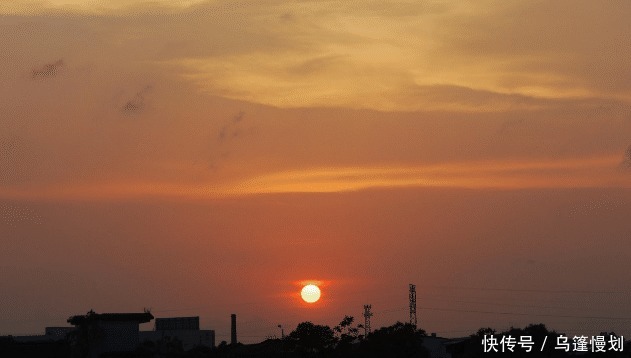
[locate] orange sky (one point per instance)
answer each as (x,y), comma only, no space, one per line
(202,157)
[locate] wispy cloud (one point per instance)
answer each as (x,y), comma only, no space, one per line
(496,175)
(406,55)
(404,59)
(570,173)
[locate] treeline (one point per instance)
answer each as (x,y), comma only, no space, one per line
(344,340)
(347,340)
(404,340)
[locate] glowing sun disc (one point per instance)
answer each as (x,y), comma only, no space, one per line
(310,293)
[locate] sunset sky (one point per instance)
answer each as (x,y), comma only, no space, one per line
(207,157)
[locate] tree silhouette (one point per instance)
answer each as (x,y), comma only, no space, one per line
(398,340)
(345,330)
(347,336)
(311,337)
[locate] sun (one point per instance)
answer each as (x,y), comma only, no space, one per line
(310,293)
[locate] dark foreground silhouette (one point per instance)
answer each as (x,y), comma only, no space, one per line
(347,340)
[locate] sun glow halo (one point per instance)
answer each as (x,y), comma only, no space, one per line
(310,293)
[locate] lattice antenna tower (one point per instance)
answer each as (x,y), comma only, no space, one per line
(367,315)
(413,305)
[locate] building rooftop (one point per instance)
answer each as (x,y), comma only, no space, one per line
(175,323)
(111,317)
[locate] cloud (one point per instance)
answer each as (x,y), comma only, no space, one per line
(565,174)
(48,70)
(554,49)
(385,60)
(571,173)
(378,86)
(373,55)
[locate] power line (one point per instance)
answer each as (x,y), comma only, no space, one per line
(179,309)
(393,310)
(498,304)
(506,313)
(526,314)
(530,290)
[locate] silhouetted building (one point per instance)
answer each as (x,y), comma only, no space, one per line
(184,329)
(51,334)
(33,346)
(58,332)
(107,332)
(436,346)
(174,323)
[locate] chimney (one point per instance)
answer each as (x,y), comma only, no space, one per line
(233,329)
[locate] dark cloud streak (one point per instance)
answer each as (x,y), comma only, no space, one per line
(230,130)
(48,70)
(137,103)
(227,132)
